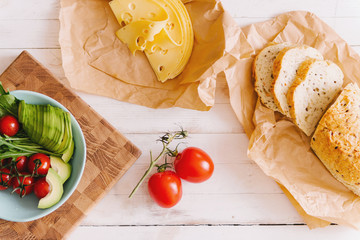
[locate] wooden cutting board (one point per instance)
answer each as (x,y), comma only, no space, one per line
(109,153)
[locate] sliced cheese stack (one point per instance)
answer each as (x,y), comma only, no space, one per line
(160,28)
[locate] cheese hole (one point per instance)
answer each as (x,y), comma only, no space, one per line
(153,48)
(140,41)
(122,24)
(170,26)
(127,17)
(145,31)
(151,25)
(161,68)
(132,6)
(164,51)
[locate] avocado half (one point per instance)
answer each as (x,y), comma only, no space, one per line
(68,152)
(62,168)
(56,190)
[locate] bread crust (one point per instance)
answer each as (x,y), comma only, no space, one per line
(300,77)
(336,140)
(278,68)
(276,73)
(256,77)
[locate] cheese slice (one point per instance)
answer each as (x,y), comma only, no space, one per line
(164,56)
(137,34)
(160,28)
(127,11)
(174,26)
(161,41)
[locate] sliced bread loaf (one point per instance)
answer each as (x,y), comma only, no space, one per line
(316,84)
(286,65)
(336,140)
(263,73)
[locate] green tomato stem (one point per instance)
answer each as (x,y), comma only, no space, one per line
(166,140)
(147,172)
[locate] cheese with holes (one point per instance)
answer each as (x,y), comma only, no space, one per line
(127,11)
(137,34)
(160,28)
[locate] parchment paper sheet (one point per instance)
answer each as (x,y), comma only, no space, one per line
(280,149)
(95,61)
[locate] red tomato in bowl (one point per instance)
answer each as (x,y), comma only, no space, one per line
(9,125)
(39,164)
(165,188)
(41,188)
(23,185)
(5,162)
(4,178)
(21,163)
(194,165)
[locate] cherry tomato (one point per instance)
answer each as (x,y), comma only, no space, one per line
(9,125)
(5,162)
(41,188)
(194,165)
(39,164)
(165,188)
(23,185)
(4,178)
(21,163)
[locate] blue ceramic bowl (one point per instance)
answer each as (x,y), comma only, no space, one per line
(16,209)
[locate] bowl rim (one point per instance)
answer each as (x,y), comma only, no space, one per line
(77,181)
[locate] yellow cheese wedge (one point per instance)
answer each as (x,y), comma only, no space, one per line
(161,41)
(160,28)
(174,26)
(164,56)
(169,65)
(137,34)
(127,11)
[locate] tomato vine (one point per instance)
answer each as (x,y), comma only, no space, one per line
(166,139)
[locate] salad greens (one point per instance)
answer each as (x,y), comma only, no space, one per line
(8,103)
(14,147)
(37,134)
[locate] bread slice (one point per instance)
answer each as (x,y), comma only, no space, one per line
(316,85)
(286,65)
(263,73)
(336,140)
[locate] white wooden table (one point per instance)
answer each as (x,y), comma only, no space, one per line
(239,201)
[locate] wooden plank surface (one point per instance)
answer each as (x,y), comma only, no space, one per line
(109,154)
(283,232)
(218,132)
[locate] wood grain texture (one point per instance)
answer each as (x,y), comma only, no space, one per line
(109,153)
(251,231)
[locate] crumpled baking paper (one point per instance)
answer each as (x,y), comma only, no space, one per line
(277,145)
(96,61)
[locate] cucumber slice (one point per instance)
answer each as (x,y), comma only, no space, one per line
(56,190)
(61,168)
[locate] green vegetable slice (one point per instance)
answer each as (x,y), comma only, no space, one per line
(46,125)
